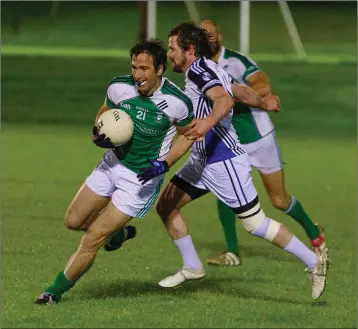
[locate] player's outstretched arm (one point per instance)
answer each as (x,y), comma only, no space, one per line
(179,147)
(223,103)
(250,97)
(260,83)
(157,168)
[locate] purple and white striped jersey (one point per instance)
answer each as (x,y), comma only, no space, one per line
(221,142)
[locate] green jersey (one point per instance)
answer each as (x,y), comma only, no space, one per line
(251,124)
(154,119)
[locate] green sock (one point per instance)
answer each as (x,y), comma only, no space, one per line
(60,285)
(228,222)
(296,211)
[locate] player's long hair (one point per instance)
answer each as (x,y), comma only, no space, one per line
(191,34)
(154,48)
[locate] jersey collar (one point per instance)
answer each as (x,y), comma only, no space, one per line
(158,91)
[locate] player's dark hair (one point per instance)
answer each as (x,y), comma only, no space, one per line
(154,48)
(191,34)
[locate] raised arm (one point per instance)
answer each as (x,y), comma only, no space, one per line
(223,103)
(259,82)
(250,97)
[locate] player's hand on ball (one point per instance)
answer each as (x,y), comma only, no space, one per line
(101,140)
(157,168)
(272,103)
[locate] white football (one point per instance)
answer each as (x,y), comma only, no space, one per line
(117,125)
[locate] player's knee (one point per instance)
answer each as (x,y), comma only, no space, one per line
(280,202)
(163,209)
(72,220)
(256,223)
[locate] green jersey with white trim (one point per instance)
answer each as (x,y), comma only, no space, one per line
(251,124)
(154,119)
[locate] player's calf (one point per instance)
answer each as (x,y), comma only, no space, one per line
(258,224)
(280,202)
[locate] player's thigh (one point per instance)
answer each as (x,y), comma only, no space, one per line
(93,196)
(85,206)
(231,181)
(108,222)
(172,198)
(184,187)
(130,196)
(265,155)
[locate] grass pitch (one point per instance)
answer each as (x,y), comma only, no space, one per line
(48,107)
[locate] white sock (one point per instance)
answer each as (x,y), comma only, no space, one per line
(188,252)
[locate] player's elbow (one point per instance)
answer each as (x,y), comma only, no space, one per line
(228,101)
(231,102)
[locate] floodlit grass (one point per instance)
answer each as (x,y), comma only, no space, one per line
(48,108)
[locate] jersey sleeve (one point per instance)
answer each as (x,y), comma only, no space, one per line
(203,77)
(113,95)
(117,89)
(185,113)
(244,67)
(179,109)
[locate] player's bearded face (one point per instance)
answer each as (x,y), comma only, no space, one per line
(178,63)
(176,56)
(214,39)
(216,45)
(144,74)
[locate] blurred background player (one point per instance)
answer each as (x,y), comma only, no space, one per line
(159,109)
(217,163)
(256,132)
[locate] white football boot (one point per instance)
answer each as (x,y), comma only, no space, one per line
(181,276)
(318,276)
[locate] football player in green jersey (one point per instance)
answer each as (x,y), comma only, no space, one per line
(112,195)
(256,132)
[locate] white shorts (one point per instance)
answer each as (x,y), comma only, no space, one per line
(111,179)
(229,180)
(264,154)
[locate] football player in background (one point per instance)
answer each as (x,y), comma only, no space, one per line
(256,132)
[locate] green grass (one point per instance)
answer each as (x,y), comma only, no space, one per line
(43,166)
(318,100)
(48,108)
(325,28)
(78,52)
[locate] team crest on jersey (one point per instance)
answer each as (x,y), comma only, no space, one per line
(159,117)
(206,76)
(126,106)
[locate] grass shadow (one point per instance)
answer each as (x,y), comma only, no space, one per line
(132,288)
